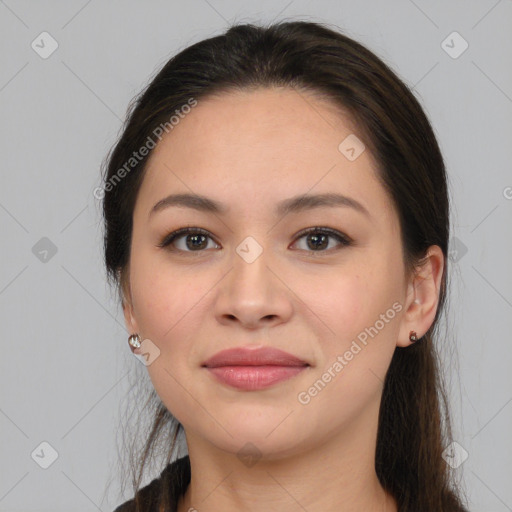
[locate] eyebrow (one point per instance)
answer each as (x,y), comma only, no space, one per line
(293,205)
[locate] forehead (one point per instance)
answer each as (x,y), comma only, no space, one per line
(272,120)
(250,148)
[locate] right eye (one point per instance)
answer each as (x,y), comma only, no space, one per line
(195,239)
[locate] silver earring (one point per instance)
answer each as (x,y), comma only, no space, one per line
(413,336)
(134,342)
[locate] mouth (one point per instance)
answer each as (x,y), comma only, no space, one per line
(253,378)
(252,369)
(251,356)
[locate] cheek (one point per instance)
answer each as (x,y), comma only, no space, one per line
(350,299)
(361,308)
(167,307)
(163,297)
(358,307)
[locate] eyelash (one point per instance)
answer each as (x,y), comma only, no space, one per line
(344,240)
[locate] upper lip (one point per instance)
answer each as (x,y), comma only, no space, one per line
(243,356)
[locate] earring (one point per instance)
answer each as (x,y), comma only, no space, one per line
(413,336)
(134,342)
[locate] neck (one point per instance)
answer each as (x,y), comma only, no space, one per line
(337,475)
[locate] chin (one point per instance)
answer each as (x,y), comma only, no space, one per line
(267,439)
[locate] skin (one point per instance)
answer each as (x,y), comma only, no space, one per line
(250,150)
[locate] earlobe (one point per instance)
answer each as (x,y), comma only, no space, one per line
(422,298)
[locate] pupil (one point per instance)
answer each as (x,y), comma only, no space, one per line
(195,238)
(322,244)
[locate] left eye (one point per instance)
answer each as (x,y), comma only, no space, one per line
(318,238)
(196,239)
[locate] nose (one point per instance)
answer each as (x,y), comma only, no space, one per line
(253,295)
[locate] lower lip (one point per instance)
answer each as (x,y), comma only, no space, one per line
(251,378)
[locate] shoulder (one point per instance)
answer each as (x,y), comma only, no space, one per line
(147,495)
(174,480)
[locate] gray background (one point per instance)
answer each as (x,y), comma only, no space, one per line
(65,364)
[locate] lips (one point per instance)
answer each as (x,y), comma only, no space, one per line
(242,356)
(253,369)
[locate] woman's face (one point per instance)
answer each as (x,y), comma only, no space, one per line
(255,281)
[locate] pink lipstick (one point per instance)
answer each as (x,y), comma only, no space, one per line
(252,369)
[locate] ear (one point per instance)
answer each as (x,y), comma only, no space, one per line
(129,315)
(422,296)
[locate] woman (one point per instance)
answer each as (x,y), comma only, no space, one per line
(277,221)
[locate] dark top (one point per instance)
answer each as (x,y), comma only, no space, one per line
(174,480)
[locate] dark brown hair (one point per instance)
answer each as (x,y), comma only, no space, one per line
(414,424)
